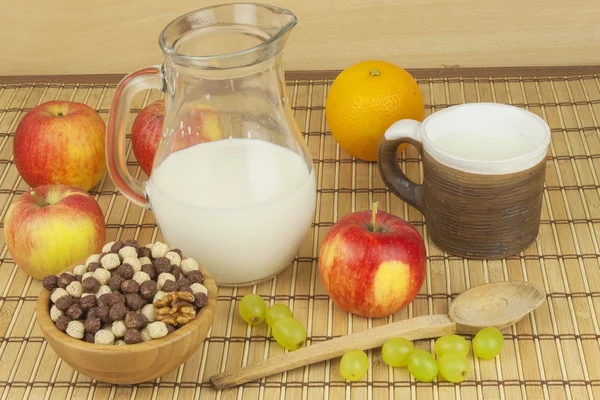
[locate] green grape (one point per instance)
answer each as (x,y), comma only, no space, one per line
(277,311)
(488,343)
(454,367)
(289,333)
(450,343)
(395,352)
(354,365)
(252,309)
(422,365)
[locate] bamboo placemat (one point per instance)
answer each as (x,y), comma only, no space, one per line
(553,354)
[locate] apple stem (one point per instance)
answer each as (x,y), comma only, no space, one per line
(374,215)
(60,114)
(38,199)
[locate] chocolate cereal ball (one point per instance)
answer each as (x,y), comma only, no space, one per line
(176,272)
(114,283)
(117,312)
(133,243)
(134,320)
(64,302)
(126,271)
(92,324)
(88,302)
(64,280)
(134,301)
(195,276)
(90,285)
(62,323)
(130,286)
(102,313)
(50,282)
(150,270)
(200,300)
(132,336)
(93,266)
(162,265)
(117,246)
(74,312)
(144,252)
(88,337)
(148,289)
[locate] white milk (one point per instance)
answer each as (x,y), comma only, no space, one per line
(240,207)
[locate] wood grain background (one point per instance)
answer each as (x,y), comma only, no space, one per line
(114,36)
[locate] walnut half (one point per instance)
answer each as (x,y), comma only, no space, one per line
(175,308)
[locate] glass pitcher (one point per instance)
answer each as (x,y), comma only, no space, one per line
(232,183)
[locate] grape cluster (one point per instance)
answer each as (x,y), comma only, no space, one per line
(287,331)
(451,352)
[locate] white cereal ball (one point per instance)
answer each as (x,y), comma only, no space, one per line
(102,275)
(158,296)
(199,288)
(104,336)
(110,261)
(107,247)
(145,260)
(145,334)
(120,343)
(149,245)
(140,277)
(188,265)
(159,250)
(86,275)
(76,329)
(174,258)
(162,278)
(128,251)
(80,270)
(75,289)
(157,329)
(87,294)
(134,262)
(57,294)
(55,313)
(92,258)
(148,312)
(118,328)
(103,290)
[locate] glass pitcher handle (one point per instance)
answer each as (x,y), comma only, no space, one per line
(145,78)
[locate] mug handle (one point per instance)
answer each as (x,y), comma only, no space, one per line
(116,129)
(403,131)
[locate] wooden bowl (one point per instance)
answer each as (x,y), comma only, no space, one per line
(133,363)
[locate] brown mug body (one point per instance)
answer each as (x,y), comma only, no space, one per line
(470,214)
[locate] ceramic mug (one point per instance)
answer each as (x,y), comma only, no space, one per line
(484,166)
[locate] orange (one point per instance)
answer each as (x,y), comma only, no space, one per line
(367,98)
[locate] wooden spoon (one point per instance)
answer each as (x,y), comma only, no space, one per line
(498,304)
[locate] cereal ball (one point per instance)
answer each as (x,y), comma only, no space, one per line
(110,261)
(107,247)
(91,267)
(75,329)
(64,279)
(57,294)
(150,270)
(128,251)
(78,277)
(179,253)
(174,258)
(148,289)
(115,281)
(130,286)
(184,289)
(118,297)
(134,262)
(170,328)
(88,337)
(183,282)
(118,329)
(169,286)
(144,252)
(133,243)
(145,260)
(62,322)
(162,265)
(102,275)
(158,296)
(148,312)
(141,277)
(90,284)
(55,313)
(107,326)
(157,329)
(149,246)
(74,312)
(116,247)
(120,343)
(188,265)
(91,259)
(132,336)
(104,336)
(195,276)
(103,300)
(102,290)
(159,250)
(50,282)
(102,313)
(200,300)
(117,312)
(176,272)
(92,324)
(145,335)
(88,302)
(199,288)
(80,270)
(75,289)
(134,301)
(134,320)
(64,303)
(162,278)
(126,271)
(86,275)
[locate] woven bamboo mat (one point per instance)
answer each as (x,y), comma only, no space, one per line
(553,354)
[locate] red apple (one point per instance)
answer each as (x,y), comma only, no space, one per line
(51,227)
(60,142)
(201,124)
(372,272)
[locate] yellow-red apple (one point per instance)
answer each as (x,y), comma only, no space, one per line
(372,267)
(60,142)
(51,227)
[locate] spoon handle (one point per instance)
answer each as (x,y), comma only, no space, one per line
(416,328)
